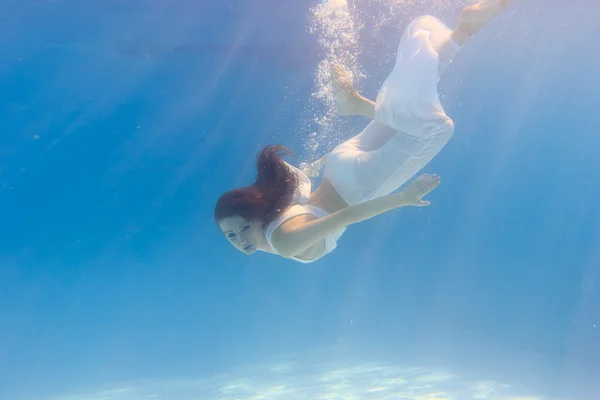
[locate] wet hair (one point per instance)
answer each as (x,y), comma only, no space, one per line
(268,196)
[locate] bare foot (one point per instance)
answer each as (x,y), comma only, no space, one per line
(347,100)
(473,18)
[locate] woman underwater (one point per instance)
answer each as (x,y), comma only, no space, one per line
(280,215)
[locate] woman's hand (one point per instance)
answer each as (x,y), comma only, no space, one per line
(313,169)
(416,190)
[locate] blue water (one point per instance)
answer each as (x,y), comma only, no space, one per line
(122,122)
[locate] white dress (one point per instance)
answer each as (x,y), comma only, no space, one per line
(410,125)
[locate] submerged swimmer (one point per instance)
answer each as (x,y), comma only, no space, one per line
(280,215)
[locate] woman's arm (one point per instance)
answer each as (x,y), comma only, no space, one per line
(293,237)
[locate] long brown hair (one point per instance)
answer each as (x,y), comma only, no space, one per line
(268,196)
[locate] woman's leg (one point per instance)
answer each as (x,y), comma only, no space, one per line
(376,167)
(470,20)
(347,100)
(473,18)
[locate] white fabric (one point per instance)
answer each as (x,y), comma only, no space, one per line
(297,210)
(410,125)
(304,188)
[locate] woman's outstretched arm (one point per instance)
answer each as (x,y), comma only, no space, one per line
(293,237)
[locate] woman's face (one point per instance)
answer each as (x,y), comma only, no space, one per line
(246,236)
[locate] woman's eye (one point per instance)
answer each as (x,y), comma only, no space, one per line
(245,228)
(231,235)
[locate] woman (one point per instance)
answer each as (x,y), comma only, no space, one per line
(280,215)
